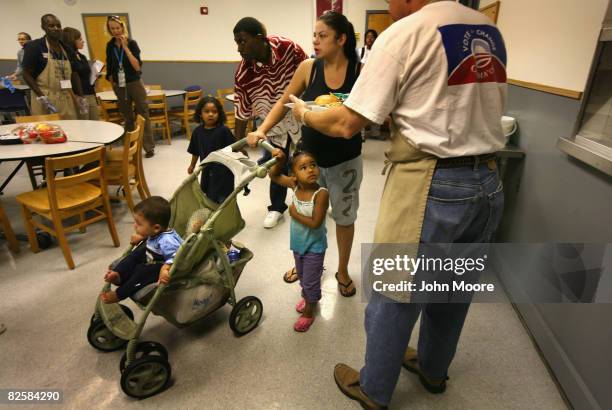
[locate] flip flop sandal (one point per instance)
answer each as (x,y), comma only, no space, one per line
(343,288)
(291,276)
(303,324)
(301,305)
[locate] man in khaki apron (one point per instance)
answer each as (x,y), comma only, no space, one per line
(440,73)
(47,70)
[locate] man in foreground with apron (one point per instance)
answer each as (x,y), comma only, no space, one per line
(47,70)
(440,73)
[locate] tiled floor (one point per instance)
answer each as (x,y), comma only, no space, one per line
(47,307)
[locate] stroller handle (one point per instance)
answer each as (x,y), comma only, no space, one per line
(262,170)
(238,145)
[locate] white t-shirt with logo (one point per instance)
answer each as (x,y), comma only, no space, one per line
(441,74)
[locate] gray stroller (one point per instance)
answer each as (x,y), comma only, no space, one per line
(202,278)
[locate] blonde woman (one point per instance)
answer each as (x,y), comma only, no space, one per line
(123,70)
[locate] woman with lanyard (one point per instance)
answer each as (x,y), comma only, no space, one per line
(47,70)
(123,70)
(334,70)
(73,39)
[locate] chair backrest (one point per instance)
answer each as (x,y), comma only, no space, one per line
(36,118)
(140,124)
(192,98)
(154,86)
(157,106)
(92,172)
(222,92)
(110,110)
(130,148)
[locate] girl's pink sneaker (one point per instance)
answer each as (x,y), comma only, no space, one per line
(299,307)
(303,324)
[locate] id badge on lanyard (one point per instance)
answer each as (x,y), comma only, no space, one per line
(121,78)
(121,73)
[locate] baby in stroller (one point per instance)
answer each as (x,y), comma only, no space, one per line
(150,261)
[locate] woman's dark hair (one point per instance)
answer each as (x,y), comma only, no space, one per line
(297,154)
(251,26)
(156,210)
(197,116)
(70,36)
(340,24)
(27,36)
(371,31)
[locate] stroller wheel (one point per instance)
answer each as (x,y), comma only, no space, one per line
(245,315)
(126,310)
(146,377)
(145,349)
(100,337)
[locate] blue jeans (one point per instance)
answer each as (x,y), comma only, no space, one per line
(278,193)
(465,205)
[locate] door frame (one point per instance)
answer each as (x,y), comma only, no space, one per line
(83,15)
(368,12)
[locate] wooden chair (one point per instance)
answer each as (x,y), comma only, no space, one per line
(36,166)
(229,115)
(67,197)
(116,155)
(140,123)
(8,231)
(153,86)
(37,118)
(192,98)
(110,111)
(158,114)
(123,171)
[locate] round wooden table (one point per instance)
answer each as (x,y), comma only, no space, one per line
(82,135)
(110,95)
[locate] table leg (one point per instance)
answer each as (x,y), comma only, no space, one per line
(11,176)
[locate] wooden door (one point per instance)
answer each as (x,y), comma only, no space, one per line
(96,37)
(378,20)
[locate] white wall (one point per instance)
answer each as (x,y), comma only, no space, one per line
(175,30)
(550,42)
(166,30)
(355,10)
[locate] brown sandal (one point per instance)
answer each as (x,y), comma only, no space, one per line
(291,275)
(343,288)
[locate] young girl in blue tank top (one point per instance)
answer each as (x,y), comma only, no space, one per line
(308,232)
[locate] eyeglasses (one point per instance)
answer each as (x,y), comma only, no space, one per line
(113,18)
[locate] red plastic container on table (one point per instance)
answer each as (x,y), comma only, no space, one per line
(45,133)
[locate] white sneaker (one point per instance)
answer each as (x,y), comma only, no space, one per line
(272,219)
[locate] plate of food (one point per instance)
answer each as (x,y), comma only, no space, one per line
(324,102)
(41,132)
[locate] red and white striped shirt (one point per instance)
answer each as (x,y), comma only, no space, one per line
(258,86)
